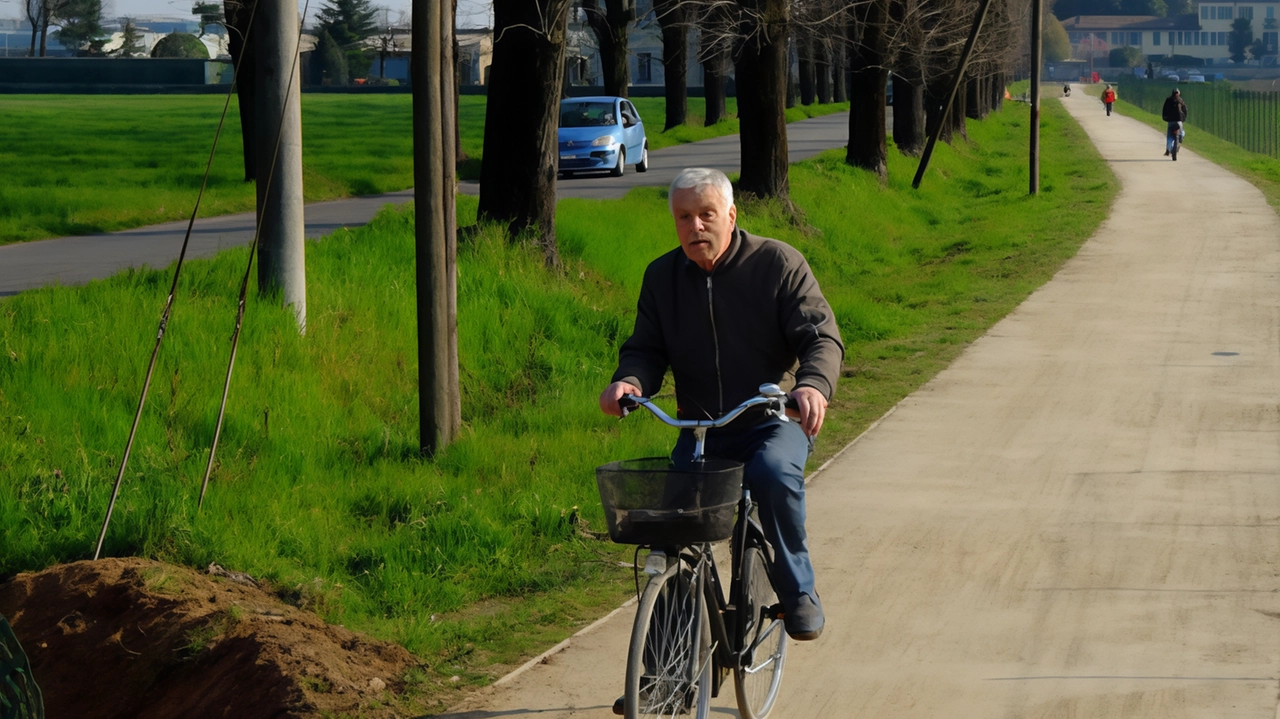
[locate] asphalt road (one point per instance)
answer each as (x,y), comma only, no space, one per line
(1080,517)
(76,260)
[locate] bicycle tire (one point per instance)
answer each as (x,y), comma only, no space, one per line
(756,685)
(670,641)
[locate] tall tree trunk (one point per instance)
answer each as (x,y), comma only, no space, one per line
(713,49)
(935,93)
(35,34)
(713,86)
(997,92)
(44,34)
(869,45)
(673,16)
(240,45)
(518,169)
(822,70)
(839,80)
(762,96)
(957,115)
(610,29)
(805,46)
(908,116)
(972,93)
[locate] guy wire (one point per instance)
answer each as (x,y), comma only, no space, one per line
(244,283)
(168,305)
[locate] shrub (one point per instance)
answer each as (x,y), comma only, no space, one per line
(180,44)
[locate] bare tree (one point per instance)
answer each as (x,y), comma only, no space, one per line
(673,16)
(239,14)
(715,39)
(868,75)
(34,10)
(610,26)
(518,170)
(761,69)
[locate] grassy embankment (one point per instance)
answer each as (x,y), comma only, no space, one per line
(84,164)
(1260,170)
(484,555)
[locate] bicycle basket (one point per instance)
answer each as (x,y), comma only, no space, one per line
(650,501)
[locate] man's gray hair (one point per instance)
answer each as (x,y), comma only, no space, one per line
(697,177)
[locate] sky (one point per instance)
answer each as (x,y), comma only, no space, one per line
(471,13)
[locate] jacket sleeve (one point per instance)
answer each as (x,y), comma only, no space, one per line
(642,359)
(809,325)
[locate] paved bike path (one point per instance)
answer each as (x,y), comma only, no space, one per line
(1080,517)
(76,260)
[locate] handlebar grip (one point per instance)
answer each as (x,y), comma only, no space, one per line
(627,403)
(791,403)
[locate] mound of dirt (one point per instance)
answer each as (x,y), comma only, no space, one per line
(134,638)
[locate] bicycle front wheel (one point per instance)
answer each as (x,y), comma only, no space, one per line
(669,663)
(764,639)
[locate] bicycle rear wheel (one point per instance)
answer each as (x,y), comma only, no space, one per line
(669,662)
(759,674)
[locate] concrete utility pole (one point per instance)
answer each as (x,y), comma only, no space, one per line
(1037,56)
(281,254)
(435,226)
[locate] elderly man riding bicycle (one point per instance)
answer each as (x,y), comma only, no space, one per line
(727,311)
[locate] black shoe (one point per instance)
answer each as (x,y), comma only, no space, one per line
(804,621)
(1166,153)
(618,708)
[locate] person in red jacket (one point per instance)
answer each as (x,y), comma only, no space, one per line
(1108,99)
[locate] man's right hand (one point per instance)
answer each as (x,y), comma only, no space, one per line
(611,394)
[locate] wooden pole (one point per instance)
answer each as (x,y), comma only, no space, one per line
(1037,56)
(430,61)
(951,96)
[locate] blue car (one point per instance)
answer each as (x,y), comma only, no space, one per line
(601,133)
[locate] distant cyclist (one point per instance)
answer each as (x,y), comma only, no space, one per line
(1108,99)
(727,311)
(1174,113)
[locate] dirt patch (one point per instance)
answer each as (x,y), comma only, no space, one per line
(135,638)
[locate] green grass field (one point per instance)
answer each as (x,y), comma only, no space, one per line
(488,553)
(84,164)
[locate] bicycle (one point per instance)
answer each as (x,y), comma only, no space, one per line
(687,633)
(1175,130)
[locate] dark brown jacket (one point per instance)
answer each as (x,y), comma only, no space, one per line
(725,333)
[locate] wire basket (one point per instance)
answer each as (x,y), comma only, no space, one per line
(651,501)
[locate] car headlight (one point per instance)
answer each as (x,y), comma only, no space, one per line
(602,141)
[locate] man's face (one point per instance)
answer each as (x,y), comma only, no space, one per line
(704,222)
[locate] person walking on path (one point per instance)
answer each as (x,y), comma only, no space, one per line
(1174,113)
(1108,99)
(728,311)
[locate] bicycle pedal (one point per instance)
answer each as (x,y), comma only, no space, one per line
(776,611)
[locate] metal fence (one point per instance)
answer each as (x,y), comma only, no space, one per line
(1248,118)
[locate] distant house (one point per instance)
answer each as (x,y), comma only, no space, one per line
(1202,35)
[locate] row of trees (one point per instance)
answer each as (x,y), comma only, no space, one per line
(79,23)
(840,43)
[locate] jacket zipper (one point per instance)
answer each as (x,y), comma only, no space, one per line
(716,341)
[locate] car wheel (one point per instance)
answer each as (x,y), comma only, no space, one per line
(620,168)
(643,164)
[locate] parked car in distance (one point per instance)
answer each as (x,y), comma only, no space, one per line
(601,133)
(1195,78)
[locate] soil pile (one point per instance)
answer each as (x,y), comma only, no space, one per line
(135,638)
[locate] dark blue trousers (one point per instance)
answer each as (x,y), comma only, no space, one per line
(773,454)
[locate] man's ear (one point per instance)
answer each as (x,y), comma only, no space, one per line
(733,215)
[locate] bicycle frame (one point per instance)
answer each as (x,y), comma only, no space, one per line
(728,624)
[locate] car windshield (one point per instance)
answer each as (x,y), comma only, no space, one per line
(587,114)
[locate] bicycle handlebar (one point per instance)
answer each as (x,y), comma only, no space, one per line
(770,394)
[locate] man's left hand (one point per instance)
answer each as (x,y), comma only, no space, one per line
(812,409)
